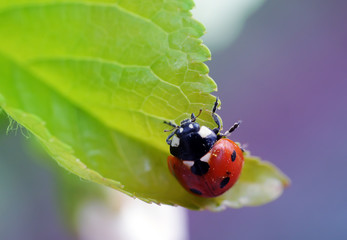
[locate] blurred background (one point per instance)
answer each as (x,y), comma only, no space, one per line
(281,67)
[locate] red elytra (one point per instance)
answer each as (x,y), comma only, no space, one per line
(225,160)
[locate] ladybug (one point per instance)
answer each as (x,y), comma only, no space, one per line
(203,160)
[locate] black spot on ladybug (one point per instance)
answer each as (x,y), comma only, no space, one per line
(228,173)
(193,190)
(200,168)
(233,156)
(224,182)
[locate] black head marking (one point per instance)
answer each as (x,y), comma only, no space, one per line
(187,127)
(233,156)
(200,168)
(193,190)
(224,182)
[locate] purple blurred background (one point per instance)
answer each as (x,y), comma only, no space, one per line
(285,76)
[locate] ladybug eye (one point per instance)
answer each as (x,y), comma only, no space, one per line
(196,126)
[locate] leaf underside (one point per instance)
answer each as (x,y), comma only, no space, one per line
(94,80)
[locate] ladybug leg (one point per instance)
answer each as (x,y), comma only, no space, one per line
(168,140)
(171,124)
(215,117)
(233,127)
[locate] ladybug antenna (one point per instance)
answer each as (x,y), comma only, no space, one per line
(215,117)
(233,127)
(215,105)
(193,117)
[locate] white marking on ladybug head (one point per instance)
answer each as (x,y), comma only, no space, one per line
(190,126)
(188,163)
(175,141)
(181,130)
(204,132)
(206,158)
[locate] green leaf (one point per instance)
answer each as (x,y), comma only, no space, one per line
(94,80)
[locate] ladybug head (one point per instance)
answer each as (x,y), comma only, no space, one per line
(188,125)
(189,141)
(186,128)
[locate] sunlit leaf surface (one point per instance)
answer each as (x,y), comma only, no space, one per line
(94,80)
